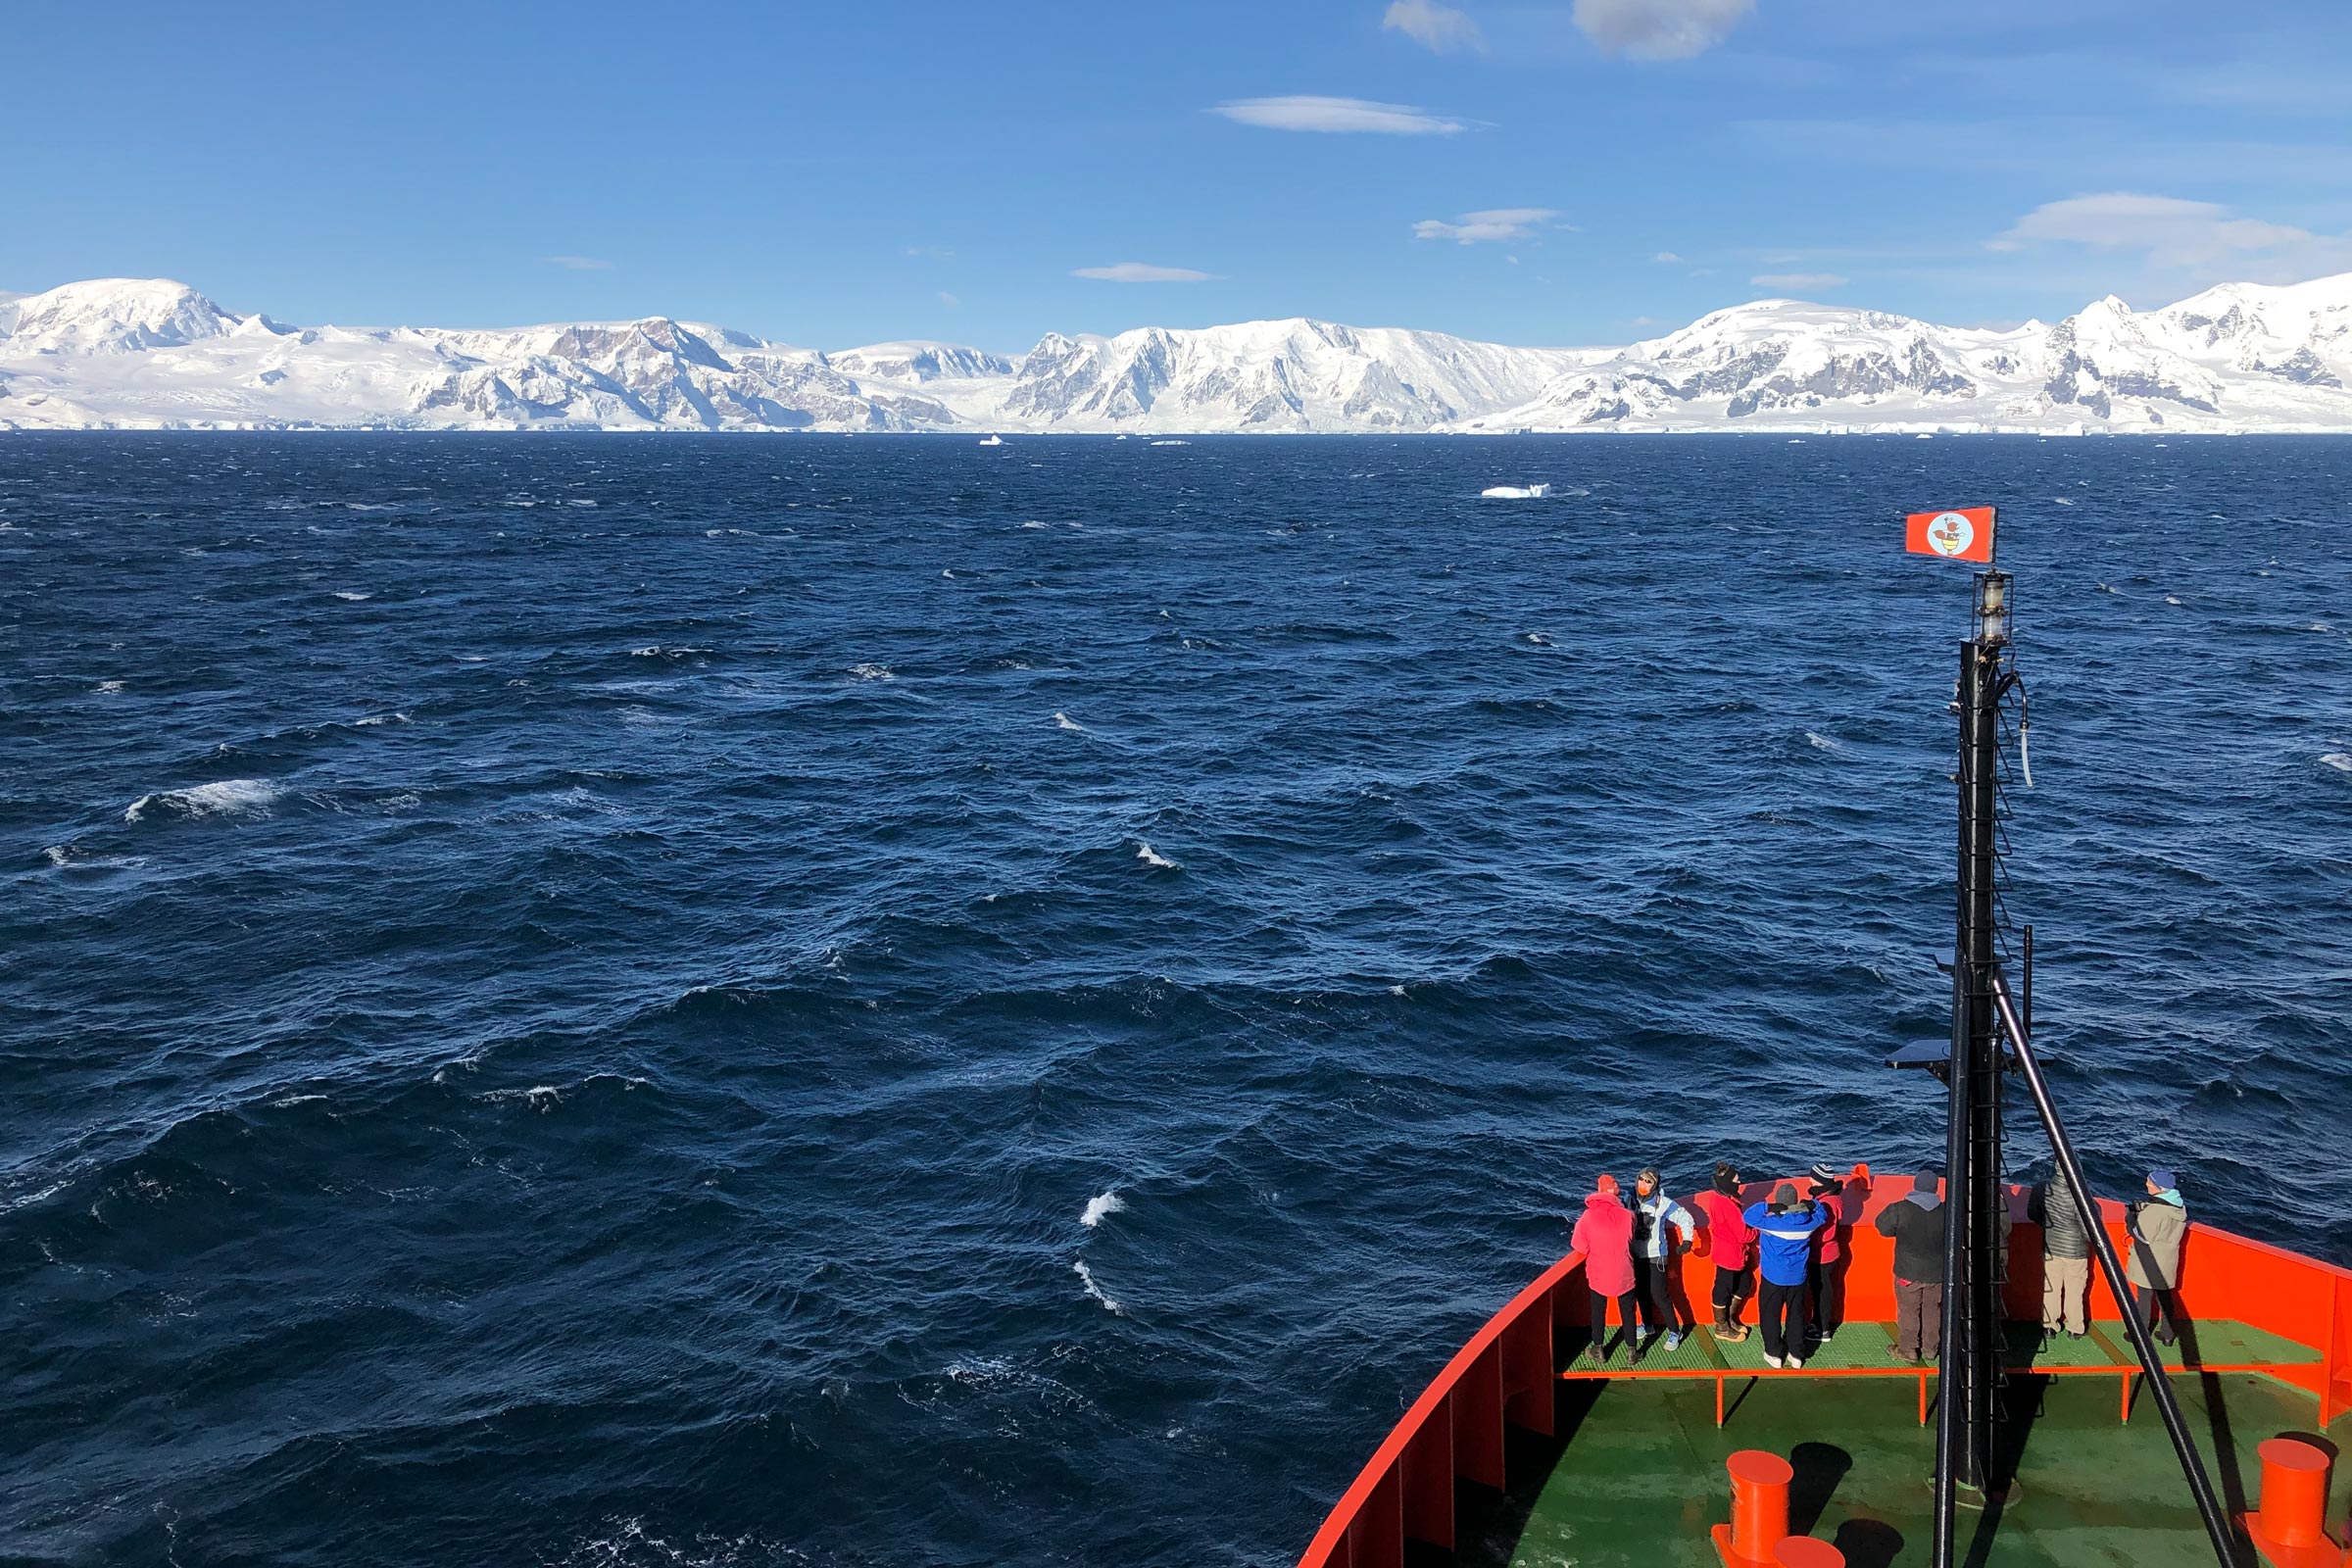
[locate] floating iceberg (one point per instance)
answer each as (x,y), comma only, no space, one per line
(1516,492)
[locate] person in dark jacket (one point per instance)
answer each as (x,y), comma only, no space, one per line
(2065,1258)
(1916,1223)
(2159,1225)
(1785,1230)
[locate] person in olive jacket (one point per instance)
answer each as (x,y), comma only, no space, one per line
(2159,1225)
(1916,1223)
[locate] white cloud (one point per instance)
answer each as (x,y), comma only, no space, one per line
(1798,280)
(2174,233)
(1307,112)
(1440,30)
(933,253)
(578,264)
(949,300)
(1667,257)
(1144,273)
(1660,29)
(1496,223)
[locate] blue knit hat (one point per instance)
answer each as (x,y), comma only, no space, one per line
(2163,1179)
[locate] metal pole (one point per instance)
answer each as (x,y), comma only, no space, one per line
(2192,1464)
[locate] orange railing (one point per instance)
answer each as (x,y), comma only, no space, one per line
(1507,1373)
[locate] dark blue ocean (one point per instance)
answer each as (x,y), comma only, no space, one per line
(879,1001)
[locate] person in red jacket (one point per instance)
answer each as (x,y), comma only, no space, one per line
(1604,1234)
(1733,1247)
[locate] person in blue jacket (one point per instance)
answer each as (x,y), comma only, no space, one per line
(1785,1229)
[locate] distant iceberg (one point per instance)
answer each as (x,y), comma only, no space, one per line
(1516,492)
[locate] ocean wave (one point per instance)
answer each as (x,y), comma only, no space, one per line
(1102,1206)
(229,797)
(1821,743)
(1152,858)
(110,687)
(352,595)
(2342,762)
(872,672)
(374,720)
(1515,492)
(1062,721)
(541,1097)
(1095,1291)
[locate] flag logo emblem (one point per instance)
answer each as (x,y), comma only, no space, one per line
(1956,533)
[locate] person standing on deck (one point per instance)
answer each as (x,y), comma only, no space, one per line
(2159,1225)
(1732,1246)
(1785,1230)
(2065,1259)
(1916,1223)
(1604,1234)
(1655,1217)
(1824,1271)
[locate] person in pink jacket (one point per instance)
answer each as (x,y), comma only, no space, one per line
(1604,1234)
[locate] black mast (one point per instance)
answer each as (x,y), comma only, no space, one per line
(1984,1013)
(1968,1401)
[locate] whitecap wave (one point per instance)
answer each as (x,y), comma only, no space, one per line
(1821,743)
(1152,858)
(1102,1206)
(1095,1291)
(1515,492)
(351,596)
(229,797)
(1172,443)
(374,720)
(110,687)
(1062,721)
(2342,762)
(872,672)
(542,1098)
(2170,600)
(2060,500)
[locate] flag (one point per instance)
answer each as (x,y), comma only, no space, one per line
(1961,534)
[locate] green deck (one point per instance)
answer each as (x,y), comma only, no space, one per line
(1638,1477)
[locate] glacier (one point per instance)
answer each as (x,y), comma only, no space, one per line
(153,354)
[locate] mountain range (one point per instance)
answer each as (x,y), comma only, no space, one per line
(121,354)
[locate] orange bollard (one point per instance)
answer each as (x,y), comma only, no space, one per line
(1807,1551)
(2290,1531)
(1759,1510)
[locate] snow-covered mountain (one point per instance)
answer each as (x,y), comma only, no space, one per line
(149,353)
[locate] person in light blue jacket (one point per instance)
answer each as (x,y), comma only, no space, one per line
(1656,1219)
(1785,1230)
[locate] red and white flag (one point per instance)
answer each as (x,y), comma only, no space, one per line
(1959,534)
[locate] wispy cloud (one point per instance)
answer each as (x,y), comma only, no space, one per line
(932,253)
(949,300)
(578,264)
(2181,235)
(1440,30)
(1660,29)
(1306,112)
(1494,224)
(1668,257)
(1144,273)
(1797,280)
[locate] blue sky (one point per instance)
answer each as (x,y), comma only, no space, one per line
(1534,172)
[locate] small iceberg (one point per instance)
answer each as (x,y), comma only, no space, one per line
(1515,492)
(992,440)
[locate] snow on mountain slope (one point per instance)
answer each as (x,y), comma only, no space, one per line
(150,353)
(1295,375)
(2234,358)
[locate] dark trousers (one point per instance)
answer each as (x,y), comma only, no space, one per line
(1786,1324)
(1918,1321)
(1732,1286)
(1655,1287)
(1827,1283)
(1600,1315)
(2146,1300)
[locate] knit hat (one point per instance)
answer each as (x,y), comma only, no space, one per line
(1607,1184)
(1822,1173)
(1785,1193)
(2163,1179)
(1925,1181)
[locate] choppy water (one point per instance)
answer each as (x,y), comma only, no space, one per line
(880,1002)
